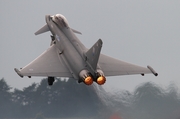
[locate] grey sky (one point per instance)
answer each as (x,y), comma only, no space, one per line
(140,32)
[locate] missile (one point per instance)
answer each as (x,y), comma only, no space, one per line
(152,70)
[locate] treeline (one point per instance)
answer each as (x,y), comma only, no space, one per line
(64,99)
(67,99)
(147,101)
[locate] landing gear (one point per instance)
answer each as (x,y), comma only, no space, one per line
(50,81)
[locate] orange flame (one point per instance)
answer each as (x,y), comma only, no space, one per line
(88,80)
(101,80)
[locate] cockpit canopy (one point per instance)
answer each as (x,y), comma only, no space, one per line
(60,20)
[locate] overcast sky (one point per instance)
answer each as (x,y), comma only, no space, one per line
(142,32)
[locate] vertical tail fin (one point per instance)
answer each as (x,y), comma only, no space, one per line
(93,54)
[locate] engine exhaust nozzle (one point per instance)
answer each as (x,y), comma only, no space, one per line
(101,80)
(88,80)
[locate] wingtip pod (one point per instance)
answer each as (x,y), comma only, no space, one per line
(18,72)
(100,41)
(152,70)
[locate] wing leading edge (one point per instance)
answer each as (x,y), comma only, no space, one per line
(48,63)
(114,67)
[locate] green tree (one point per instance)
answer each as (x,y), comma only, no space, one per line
(42,97)
(66,98)
(17,98)
(5,99)
(24,100)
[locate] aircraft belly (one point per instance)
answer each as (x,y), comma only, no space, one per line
(75,41)
(74,60)
(70,55)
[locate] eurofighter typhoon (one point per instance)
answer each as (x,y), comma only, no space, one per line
(68,57)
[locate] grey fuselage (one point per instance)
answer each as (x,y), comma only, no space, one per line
(71,50)
(68,57)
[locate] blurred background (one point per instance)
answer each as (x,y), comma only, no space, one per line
(67,99)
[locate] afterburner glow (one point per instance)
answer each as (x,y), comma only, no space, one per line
(101,80)
(88,80)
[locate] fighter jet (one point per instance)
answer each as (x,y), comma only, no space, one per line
(68,57)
